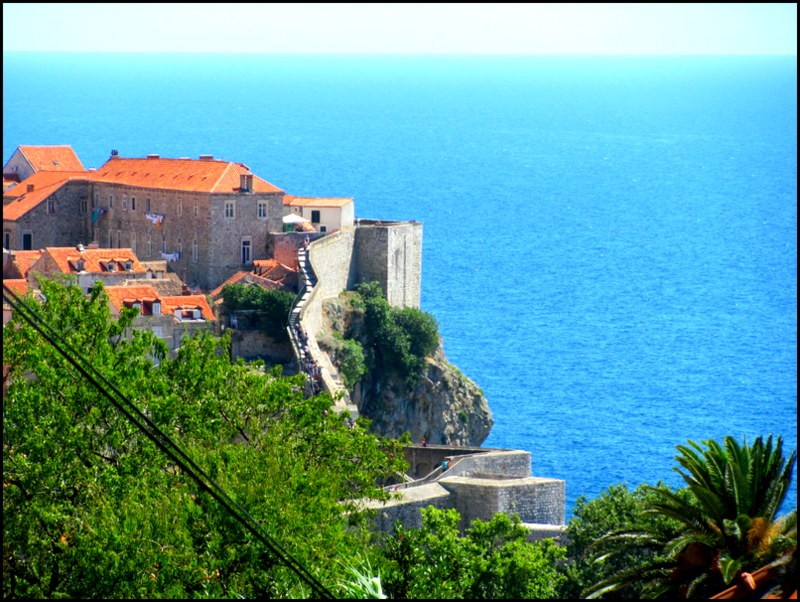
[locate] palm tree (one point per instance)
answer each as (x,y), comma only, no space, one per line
(725,520)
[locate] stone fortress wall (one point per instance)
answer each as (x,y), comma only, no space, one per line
(480,482)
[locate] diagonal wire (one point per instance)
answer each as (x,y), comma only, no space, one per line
(161,439)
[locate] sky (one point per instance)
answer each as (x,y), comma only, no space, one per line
(456,28)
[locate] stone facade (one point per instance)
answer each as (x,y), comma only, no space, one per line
(193,225)
(62,223)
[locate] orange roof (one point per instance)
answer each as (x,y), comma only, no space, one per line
(173,304)
(307,201)
(24,260)
(18,285)
(44,184)
(52,158)
(118,295)
(122,296)
(272,269)
(66,259)
(189,175)
(232,280)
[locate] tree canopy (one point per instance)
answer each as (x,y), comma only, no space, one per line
(92,508)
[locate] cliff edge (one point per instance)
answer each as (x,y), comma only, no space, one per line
(442,404)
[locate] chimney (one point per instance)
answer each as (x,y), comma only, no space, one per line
(206,157)
(154,156)
(30,187)
(246,182)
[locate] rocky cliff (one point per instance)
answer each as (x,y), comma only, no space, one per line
(444,406)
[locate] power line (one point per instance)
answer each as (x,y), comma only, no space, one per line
(161,439)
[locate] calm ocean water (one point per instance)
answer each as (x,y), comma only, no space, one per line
(610,244)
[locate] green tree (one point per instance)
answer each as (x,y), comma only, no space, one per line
(92,508)
(398,339)
(726,522)
(352,364)
(615,509)
(492,560)
(271,307)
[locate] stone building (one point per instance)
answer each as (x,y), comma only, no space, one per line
(28,160)
(208,218)
(86,266)
(170,318)
(324,214)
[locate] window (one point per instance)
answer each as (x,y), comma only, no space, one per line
(96,200)
(323,229)
(230,211)
(262,209)
(315,216)
(133,241)
(195,210)
(119,239)
(156,308)
(27,242)
(164,244)
(149,245)
(180,207)
(6,240)
(51,205)
(110,201)
(147,204)
(246,250)
(195,254)
(84,206)
(133,203)
(180,248)
(125,203)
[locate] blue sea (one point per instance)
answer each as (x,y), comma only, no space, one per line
(610,244)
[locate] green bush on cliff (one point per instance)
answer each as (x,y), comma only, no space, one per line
(398,339)
(352,365)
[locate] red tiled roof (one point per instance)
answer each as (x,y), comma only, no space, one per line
(232,280)
(272,269)
(52,158)
(172,304)
(307,201)
(118,295)
(44,184)
(95,259)
(18,285)
(189,175)
(123,296)
(24,260)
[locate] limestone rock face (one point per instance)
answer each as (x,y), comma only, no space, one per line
(445,406)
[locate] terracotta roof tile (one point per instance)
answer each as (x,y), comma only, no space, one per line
(173,304)
(118,295)
(96,260)
(23,260)
(18,285)
(44,184)
(238,276)
(179,174)
(52,158)
(307,201)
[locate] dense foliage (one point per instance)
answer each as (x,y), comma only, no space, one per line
(491,560)
(615,509)
(270,308)
(352,365)
(725,522)
(398,340)
(91,508)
